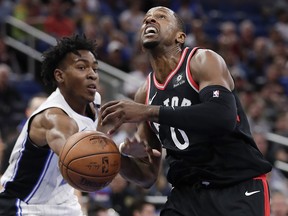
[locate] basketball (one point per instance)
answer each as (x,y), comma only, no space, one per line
(89,161)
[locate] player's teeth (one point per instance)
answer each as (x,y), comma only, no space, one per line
(150,30)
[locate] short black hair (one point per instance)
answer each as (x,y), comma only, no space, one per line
(55,54)
(180,23)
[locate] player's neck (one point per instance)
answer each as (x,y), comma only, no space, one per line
(163,64)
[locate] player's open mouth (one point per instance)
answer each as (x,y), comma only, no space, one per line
(92,88)
(150,30)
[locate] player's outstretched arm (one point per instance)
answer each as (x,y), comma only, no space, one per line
(52,127)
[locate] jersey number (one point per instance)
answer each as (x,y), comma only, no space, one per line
(175,140)
(177,143)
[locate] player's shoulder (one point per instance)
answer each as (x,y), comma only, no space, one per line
(204,54)
(49,115)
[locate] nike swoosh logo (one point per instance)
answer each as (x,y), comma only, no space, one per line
(84,128)
(150,101)
(251,193)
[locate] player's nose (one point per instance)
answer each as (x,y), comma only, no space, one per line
(92,74)
(150,19)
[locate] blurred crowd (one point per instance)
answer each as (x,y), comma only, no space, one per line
(252,37)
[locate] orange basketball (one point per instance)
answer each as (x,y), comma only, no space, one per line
(89,160)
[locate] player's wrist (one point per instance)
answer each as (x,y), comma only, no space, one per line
(121,146)
(153,113)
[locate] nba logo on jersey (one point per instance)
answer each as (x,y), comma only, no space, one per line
(216,93)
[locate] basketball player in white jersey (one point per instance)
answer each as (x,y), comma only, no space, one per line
(32,184)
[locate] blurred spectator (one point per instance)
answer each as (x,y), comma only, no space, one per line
(258,59)
(234,64)
(102,211)
(29,12)
(141,207)
(112,9)
(279,204)
(84,11)
(228,39)
(256,116)
(281,128)
(5,10)
(12,104)
(118,195)
(265,147)
(284,77)
(282,22)
(58,23)
(140,69)
(273,74)
(32,105)
(9,57)
(188,10)
(131,19)
(116,55)
(92,31)
(2,149)
(276,102)
(196,36)
(247,95)
(246,37)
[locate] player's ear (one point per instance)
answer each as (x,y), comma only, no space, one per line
(180,37)
(58,74)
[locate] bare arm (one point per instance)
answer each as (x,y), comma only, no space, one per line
(52,127)
(144,149)
(209,68)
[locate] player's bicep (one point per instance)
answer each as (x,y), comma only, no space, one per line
(209,68)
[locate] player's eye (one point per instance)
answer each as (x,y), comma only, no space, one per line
(81,67)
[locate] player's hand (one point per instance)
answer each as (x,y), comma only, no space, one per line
(138,149)
(124,111)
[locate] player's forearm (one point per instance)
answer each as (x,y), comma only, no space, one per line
(152,113)
(139,171)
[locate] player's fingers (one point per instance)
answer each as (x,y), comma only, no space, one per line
(108,104)
(114,128)
(156,153)
(106,111)
(137,138)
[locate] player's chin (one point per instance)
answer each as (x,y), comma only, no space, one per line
(90,96)
(149,44)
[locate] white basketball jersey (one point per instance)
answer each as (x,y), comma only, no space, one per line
(33,175)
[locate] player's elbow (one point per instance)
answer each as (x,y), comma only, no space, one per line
(225,124)
(228,125)
(143,180)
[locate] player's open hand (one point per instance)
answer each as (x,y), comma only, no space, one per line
(122,111)
(138,148)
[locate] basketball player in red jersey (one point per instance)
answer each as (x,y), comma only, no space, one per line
(189,107)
